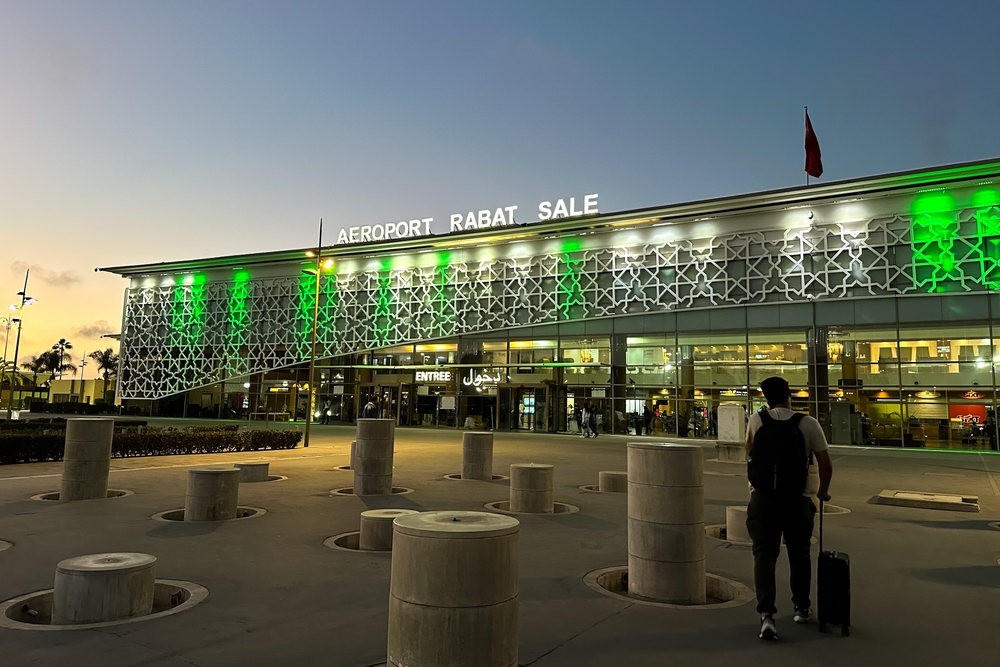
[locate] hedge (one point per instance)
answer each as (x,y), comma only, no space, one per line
(57,423)
(32,446)
(73,408)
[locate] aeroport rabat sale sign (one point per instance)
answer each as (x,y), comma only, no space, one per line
(501,216)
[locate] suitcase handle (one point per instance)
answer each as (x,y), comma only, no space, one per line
(821,526)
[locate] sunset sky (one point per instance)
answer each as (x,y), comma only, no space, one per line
(151,131)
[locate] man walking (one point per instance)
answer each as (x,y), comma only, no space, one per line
(780,444)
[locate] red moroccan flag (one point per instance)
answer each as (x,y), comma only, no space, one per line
(814,160)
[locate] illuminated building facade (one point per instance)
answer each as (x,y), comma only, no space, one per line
(876,298)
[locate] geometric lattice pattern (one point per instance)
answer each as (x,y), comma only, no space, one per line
(181,337)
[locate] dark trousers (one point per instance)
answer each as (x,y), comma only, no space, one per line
(768,518)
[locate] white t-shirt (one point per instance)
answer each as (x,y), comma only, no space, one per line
(812,432)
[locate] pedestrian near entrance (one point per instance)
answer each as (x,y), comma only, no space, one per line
(591,421)
(370,411)
(780,444)
(585,415)
(325,416)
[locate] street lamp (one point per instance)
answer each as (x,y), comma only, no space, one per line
(83,364)
(320,265)
(25,301)
(7,322)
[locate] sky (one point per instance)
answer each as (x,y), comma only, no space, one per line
(135,132)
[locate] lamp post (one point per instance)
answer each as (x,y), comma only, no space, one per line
(312,349)
(25,301)
(83,365)
(7,322)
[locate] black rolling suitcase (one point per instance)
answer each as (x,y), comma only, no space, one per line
(833,586)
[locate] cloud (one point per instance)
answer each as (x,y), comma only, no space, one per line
(56,278)
(93,330)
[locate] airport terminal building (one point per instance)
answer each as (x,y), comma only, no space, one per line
(875,297)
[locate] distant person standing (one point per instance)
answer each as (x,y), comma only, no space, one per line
(585,420)
(780,443)
(370,410)
(647,419)
(325,416)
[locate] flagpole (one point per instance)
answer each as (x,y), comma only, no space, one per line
(807,120)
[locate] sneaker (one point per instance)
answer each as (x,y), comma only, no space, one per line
(803,615)
(768,630)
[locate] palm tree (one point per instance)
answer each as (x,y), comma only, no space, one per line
(36,365)
(61,361)
(10,376)
(107,364)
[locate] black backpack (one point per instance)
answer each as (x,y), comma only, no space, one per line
(778,463)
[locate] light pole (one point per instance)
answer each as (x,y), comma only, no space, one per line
(312,350)
(83,365)
(7,321)
(25,301)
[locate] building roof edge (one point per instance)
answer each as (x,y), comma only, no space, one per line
(729,204)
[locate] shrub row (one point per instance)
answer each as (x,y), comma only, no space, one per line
(57,423)
(74,408)
(32,446)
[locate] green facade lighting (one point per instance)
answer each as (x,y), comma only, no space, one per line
(952,253)
(238,309)
(188,310)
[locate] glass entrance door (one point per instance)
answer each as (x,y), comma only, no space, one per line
(386,399)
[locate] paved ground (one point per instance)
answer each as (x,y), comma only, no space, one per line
(926,583)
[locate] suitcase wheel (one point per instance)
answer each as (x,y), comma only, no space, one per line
(845,631)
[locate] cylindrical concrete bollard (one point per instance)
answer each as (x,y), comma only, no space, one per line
(453,591)
(736,524)
(477,456)
(666,526)
(354,449)
(372,462)
(103,587)
(212,494)
(86,458)
(376,529)
(254,472)
(612,481)
(531,488)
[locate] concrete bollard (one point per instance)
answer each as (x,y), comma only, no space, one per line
(612,481)
(254,472)
(376,529)
(736,524)
(666,526)
(372,462)
(212,494)
(453,591)
(86,458)
(477,456)
(531,488)
(103,587)
(354,450)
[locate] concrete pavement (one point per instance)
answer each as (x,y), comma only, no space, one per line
(926,583)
